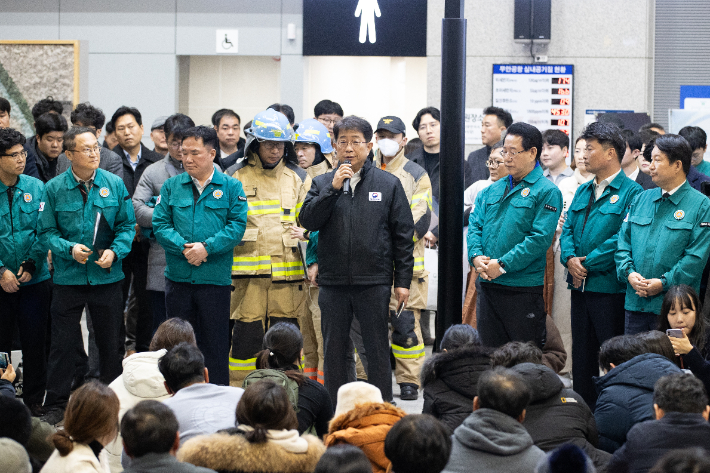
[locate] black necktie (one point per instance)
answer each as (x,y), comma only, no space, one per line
(84,193)
(665,196)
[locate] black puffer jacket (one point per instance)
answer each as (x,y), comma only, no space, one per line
(557,415)
(361,234)
(450,381)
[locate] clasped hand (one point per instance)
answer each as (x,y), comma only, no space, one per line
(487,268)
(645,287)
(195,253)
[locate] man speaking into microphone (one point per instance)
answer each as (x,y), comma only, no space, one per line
(365,247)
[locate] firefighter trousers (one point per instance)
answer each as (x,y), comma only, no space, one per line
(312,336)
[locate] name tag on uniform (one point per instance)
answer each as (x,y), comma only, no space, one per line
(375,197)
(549,207)
(41,206)
(705,224)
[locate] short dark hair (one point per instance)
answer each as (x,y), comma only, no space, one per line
(221,113)
(149,427)
(125,110)
(514,353)
(15,420)
(281,346)
(343,458)
(459,336)
(680,392)
(504,117)
(352,122)
(418,443)
(327,107)
(647,136)
(50,122)
(88,115)
(607,135)
(206,133)
(532,138)
(648,149)
(555,138)
(181,366)
(648,126)
(10,137)
(676,148)
(176,124)
(633,140)
(433,111)
(696,136)
(171,333)
(498,145)
(656,342)
(265,406)
(47,105)
(618,350)
(5,105)
(503,390)
(71,134)
(287,110)
(686,297)
(412,145)
(686,460)
(108,128)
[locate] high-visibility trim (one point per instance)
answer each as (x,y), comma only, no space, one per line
(417,197)
(414,352)
(287,269)
(287,217)
(418,264)
(298,208)
(242,365)
(321,377)
(251,263)
(264,207)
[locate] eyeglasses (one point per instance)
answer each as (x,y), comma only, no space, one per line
(272,144)
(493,164)
(328,121)
(512,154)
(16,156)
(344,144)
(88,151)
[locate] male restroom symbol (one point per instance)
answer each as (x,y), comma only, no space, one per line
(367,10)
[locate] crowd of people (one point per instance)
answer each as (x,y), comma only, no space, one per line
(247,299)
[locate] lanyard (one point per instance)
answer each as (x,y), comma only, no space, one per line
(589,207)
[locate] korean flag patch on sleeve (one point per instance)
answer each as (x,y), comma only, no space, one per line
(41,206)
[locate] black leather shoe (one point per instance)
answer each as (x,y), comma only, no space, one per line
(53,416)
(409,392)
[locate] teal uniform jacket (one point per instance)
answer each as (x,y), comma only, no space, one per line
(516,229)
(666,239)
(312,249)
(704,167)
(65,220)
(18,229)
(597,240)
(218,218)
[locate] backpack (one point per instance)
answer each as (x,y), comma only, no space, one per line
(279,377)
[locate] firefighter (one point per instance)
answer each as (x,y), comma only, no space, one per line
(268,273)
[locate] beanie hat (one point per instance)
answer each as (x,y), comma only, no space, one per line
(357,392)
(568,458)
(13,457)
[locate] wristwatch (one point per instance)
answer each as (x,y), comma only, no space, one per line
(502,267)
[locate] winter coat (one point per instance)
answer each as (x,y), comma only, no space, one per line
(491,441)
(80,460)
(557,415)
(626,397)
(450,382)
(366,427)
(130,176)
(232,453)
(162,463)
(141,381)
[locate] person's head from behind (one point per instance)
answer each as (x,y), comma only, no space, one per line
(91,415)
(686,460)
(656,342)
(12,153)
(654,127)
(174,128)
(522,149)
(286,110)
(265,406)
(199,147)
(418,443)
(149,427)
(128,123)
(15,420)
(604,148)
(412,145)
(171,333)
(493,125)
(86,115)
(567,458)
(282,347)
(47,105)
(618,350)
(670,161)
(502,390)
(633,148)
(681,310)
(680,392)
(555,147)
(460,336)
(328,113)
(353,139)
(227,124)
(5,109)
(14,457)
(648,137)
(698,141)
(182,366)
(427,124)
(514,353)
(496,163)
(50,129)
(343,458)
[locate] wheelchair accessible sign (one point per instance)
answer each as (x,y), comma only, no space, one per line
(227,41)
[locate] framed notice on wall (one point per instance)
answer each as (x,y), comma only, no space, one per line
(541,95)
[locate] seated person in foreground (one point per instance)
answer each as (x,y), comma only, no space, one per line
(418,444)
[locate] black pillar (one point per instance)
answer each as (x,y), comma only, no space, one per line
(453,95)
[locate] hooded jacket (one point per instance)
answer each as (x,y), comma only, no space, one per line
(557,415)
(366,427)
(626,397)
(493,442)
(450,382)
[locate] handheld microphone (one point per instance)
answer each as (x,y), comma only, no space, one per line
(346,182)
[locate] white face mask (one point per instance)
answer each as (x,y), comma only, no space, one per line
(388,147)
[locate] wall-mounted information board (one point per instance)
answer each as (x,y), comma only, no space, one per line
(540,95)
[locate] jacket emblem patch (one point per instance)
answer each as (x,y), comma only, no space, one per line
(41,206)
(525,192)
(568,399)
(104,192)
(679,214)
(157,201)
(375,197)
(614,199)
(27,197)
(217,194)
(242,198)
